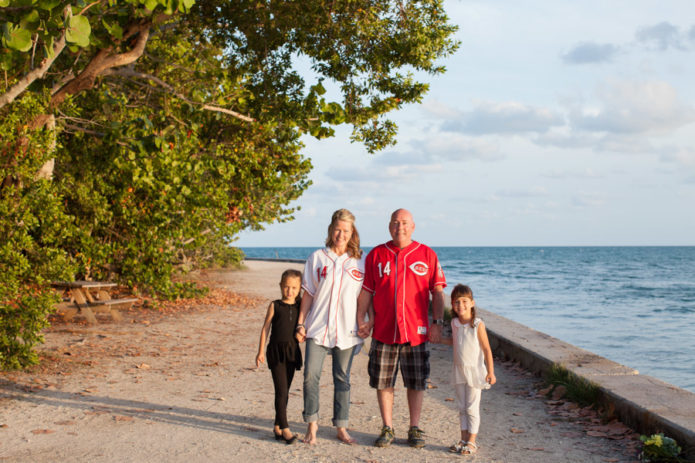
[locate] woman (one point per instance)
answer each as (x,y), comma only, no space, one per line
(328,320)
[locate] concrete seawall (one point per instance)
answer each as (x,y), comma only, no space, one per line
(644,403)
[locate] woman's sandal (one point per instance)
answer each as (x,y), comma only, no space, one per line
(457,447)
(469,449)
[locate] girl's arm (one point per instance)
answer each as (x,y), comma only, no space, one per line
(260,357)
(487,354)
(300,332)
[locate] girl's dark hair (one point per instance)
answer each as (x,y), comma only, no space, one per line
(463,291)
(290,273)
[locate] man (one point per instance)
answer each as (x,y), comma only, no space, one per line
(400,275)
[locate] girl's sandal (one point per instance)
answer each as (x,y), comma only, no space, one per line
(457,447)
(469,449)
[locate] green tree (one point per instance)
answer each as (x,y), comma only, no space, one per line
(164,128)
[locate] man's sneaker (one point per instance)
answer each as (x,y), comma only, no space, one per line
(415,437)
(386,437)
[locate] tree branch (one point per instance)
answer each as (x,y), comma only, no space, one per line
(38,73)
(102,61)
(141,75)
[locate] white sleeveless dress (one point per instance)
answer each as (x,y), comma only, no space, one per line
(469,361)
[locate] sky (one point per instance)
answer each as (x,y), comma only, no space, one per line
(557,123)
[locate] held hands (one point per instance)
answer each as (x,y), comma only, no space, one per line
(300,334)
(364,329)
(436,334)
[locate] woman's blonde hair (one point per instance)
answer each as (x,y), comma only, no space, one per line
(353,246)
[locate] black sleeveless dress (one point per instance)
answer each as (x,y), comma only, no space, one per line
(283,347)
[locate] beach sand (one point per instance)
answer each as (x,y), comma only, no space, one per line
(182,386)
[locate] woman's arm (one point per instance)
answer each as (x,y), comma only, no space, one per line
(300,331)
(260,357)
(487,353)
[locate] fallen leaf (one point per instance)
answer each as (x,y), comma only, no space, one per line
(536,449)
(42,431)
(3,426)
(516,430)
(448,399)
(143,366)
(122,418)
(65,422)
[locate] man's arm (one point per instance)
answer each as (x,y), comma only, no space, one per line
(364,305)
(437,313)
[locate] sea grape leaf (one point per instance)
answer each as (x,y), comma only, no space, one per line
(114,29)
(78,31)
(16,38)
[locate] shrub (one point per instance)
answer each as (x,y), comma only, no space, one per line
(659,448)
(33,224)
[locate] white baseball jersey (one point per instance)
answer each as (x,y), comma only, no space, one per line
(334,282)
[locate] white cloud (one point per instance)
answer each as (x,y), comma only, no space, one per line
(390,174)
(634,107)
(587,172)
(661,36)
(308,212)
(680,155)
(439,109)
(530,192)
(457,147)
(504,118)
(590,52)
(587,200)
(436,148)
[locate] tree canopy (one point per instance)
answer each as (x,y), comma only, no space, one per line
(138,137)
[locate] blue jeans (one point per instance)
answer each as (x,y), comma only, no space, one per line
(313,364)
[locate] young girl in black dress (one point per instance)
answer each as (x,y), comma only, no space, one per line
(284,356)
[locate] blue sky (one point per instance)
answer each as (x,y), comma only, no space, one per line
(557,123)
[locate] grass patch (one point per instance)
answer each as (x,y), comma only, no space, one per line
(579,390)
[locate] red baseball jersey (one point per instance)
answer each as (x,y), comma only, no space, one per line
(401,281)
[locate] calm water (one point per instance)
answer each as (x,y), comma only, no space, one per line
(633,305)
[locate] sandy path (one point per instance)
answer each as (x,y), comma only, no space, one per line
(183,388)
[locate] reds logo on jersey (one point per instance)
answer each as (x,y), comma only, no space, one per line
(356,274)
(419,268)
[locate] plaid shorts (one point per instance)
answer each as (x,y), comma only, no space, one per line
(385,358)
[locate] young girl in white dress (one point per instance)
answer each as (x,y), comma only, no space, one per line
(473,368)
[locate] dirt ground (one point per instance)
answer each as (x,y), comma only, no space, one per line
(180,384)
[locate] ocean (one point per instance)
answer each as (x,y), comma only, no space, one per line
(633,305)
